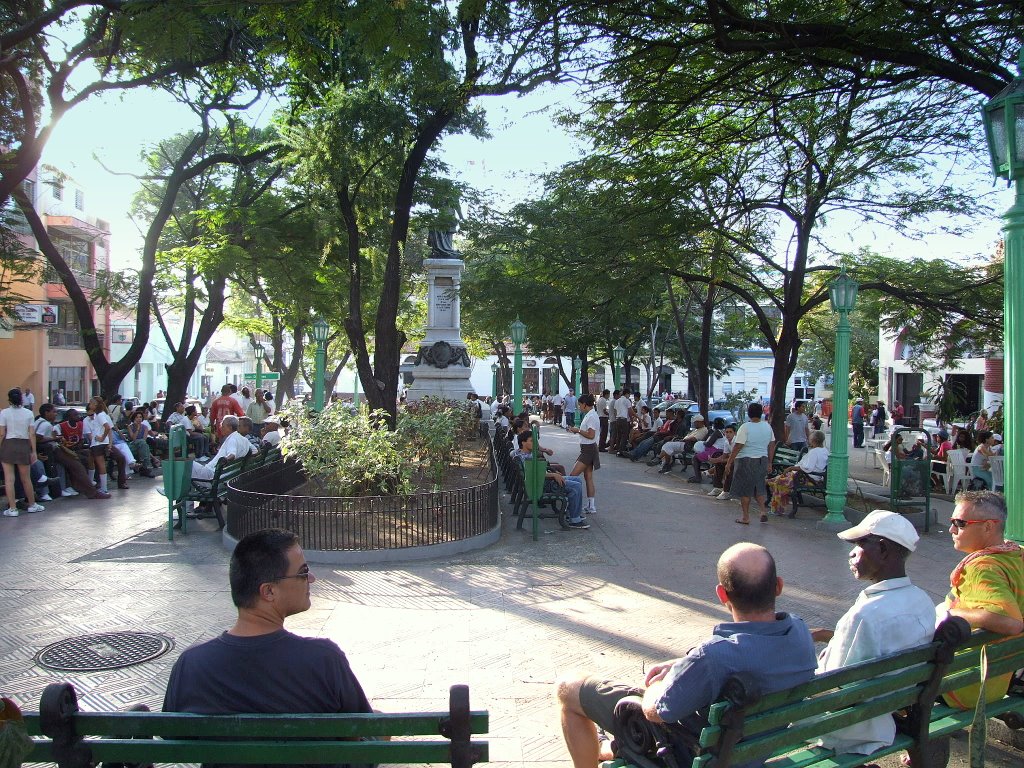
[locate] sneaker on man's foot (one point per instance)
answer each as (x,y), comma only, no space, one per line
(36,508)
(68,492)
(44,497)
(664,469)
(43,479)
(714,491)
(101,495)
(725,496)
(12,512)
(580,524)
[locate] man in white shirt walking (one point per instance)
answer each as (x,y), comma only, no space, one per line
(890,615)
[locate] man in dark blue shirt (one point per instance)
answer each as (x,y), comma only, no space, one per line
(257,666)
(774,647)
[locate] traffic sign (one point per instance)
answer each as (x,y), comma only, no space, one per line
(263,377)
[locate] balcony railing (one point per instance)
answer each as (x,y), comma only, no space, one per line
(85,279)
(61,339)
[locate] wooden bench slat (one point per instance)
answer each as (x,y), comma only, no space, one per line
(917,658)
(180,725)
(807,730)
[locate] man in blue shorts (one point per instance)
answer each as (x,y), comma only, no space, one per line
(776,648)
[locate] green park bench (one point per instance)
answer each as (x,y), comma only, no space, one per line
(779,727)
(64,735)
(182,492)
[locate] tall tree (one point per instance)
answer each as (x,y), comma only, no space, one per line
(130,45)
(367,133)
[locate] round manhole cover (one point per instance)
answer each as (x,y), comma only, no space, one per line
(111,650)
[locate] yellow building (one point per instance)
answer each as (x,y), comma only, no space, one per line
(44,349)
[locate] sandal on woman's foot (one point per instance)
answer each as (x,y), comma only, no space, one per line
(764,518)
(742,522)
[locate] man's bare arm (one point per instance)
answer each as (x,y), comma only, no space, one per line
(979,618)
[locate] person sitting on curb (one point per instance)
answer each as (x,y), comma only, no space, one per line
(775,649)
(670,450)
(889,615)
(573,485)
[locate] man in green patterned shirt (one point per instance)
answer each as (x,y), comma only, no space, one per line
(987,586)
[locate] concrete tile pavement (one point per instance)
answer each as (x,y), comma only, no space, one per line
(635,589)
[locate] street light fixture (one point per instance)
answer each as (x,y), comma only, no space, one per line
(618,355)
(321,330)
(843,295)
(257,347)
(494,380)
(1003,116)
(518,331)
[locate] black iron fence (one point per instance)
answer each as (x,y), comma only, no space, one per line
(269,497)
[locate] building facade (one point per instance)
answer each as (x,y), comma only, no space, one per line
(44,349)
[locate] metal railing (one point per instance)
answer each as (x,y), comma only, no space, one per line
(70,339)
(266,498)
(86,280)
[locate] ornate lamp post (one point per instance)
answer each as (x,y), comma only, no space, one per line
(518,330)
(320,332)
(494,380)
(257,347)
(843,294)
(1004,129)
(618,355)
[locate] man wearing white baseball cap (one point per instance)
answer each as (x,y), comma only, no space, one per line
(890,615)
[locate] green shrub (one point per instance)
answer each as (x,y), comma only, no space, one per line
(351,452)
(433,429)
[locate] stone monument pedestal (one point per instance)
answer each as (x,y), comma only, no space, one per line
(442,364)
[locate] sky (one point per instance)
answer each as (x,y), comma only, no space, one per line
(114,130)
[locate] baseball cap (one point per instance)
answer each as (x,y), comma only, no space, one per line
(886,524)
(698,417)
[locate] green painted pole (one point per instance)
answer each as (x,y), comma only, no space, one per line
(259,370)
(355,388)
(577,376)
(839,456)
(517,382)
(494,384)
(318,378)
(1013,364)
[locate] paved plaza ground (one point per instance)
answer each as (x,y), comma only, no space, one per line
(635,589)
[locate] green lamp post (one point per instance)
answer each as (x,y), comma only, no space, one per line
(518,331)
(320,332)
(1003,116)
(494,380)
(843,294)
(618,355)
(577,373)
(257,347)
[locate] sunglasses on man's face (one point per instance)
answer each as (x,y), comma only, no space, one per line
(960,523)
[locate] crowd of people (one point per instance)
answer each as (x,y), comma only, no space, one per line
(735,458)
(70,453)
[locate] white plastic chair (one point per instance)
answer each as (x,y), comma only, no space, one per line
(886,468)
(958,471)
(995,466)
